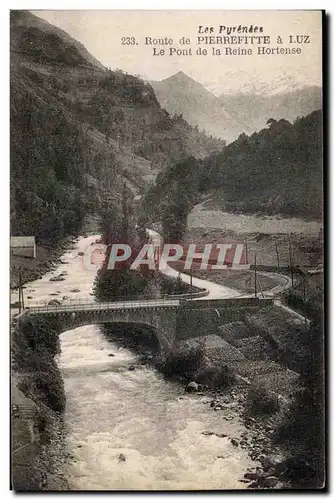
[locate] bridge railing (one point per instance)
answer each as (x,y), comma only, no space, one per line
(87,304)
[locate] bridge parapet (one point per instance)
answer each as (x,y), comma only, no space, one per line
(103,306)
(231,303)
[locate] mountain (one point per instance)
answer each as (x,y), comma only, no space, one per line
(253,110)
(80,132)
(37,40)
(233,113)
(180,94)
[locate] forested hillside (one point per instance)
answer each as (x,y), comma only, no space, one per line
(275,171)
(80,132)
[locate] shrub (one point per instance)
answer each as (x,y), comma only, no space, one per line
(183,363)
(35,343)
(216,377)
(260,401)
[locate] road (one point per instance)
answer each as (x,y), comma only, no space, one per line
(222,292)
(215,291)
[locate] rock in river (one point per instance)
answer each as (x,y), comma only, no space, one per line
(54,302)
(192,387)
(57,278)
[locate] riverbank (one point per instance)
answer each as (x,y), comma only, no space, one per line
(47,259)
(37,402)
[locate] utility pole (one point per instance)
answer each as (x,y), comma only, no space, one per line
(191,281)
(19,292)
(255,266)
(21,299)
(277,253)
(305,317)
(260,286)
(246,252)
(291,262)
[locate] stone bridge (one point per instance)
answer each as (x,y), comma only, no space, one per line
(172,319)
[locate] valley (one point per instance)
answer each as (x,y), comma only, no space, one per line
(156,379)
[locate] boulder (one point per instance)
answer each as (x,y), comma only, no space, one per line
(270,461)
(270,481)
(57,278)
(202,387)
(252,476)
(253,485)
(121,457)
(259,471)
(54,302)
(81,254)
(111,354)
(75,290)
(192,387)
(65,297)
(131,368)
(279,486)
(234,442)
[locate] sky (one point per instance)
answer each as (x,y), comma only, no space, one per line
(101,32)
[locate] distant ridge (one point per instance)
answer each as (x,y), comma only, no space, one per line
(233,113)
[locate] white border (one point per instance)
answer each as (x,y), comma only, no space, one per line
(4,198)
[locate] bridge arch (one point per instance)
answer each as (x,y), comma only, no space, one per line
(161,322)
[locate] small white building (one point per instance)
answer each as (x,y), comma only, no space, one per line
(23,246)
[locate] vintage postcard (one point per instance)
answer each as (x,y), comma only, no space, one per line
(166,205)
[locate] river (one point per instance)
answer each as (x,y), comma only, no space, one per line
(111,410)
